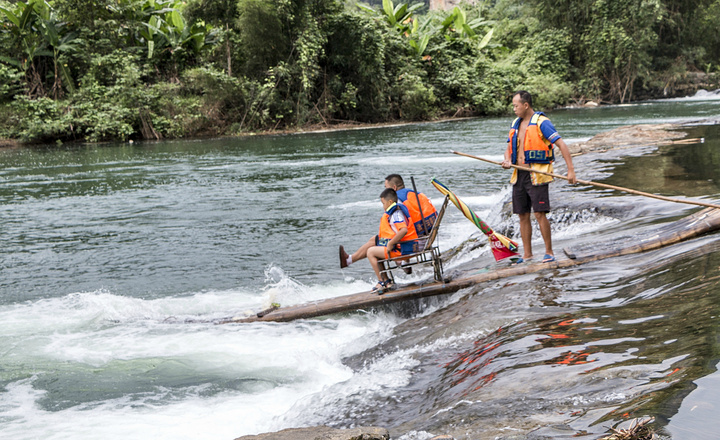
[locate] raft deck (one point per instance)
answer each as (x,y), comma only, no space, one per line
(701,222)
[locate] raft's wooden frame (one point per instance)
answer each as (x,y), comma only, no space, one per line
(429,254)
(701,222)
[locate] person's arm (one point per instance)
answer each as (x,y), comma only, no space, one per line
(508,156)
(402,231)
(568,160)
(551,134)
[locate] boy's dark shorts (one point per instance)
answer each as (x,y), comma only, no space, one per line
(526,195)
(402,248)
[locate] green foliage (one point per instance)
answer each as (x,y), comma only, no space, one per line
(168,29)
(611,42)
(492,95)
(708,29)
(219,13)
(417,99)
(119,69)
(547,90)
(361,59)
(221,97)
(545,52)
(263,43)
(25,24)
(311,49)
(10,82)
(456,25)
(399,16)
(419,31)
(38,120)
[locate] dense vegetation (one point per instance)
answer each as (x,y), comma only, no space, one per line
(120,69)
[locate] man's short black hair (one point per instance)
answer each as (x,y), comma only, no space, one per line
(396,180)
(389,194)
(525,96)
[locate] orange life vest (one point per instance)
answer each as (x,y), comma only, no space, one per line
(409,243)
(429,213)
(537,148)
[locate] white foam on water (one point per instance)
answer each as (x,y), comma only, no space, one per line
(226,416)
(474,202)
(101,333)
(406,161)
(700,95)
(95,331)
(580,228)
(363,204)
(376,381)
(282,289)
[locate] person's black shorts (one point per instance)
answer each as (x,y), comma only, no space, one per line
(526,195)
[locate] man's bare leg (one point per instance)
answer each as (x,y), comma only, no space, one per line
(526,235)
(544,224)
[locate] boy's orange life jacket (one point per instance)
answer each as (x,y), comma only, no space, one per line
(387,232)
(537,148)
(410,200)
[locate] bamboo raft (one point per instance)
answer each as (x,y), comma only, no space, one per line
(701,222)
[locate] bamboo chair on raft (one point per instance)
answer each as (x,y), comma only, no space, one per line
(429,253)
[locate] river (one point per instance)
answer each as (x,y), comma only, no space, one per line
(117,260)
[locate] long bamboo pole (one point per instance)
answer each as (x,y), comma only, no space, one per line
(601,185)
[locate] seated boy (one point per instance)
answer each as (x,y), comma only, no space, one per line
(396,237)
(420,211)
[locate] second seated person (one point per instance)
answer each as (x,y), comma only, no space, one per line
(396,237)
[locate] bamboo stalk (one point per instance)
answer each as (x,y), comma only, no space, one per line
(601,185)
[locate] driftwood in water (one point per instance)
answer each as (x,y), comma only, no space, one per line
(701,222)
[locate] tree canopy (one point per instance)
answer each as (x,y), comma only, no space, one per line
(121,69)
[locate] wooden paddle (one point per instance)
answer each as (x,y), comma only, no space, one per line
(601,185)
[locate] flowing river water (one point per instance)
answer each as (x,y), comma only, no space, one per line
(116,262)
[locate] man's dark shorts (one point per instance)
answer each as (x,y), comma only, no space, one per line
(526,195)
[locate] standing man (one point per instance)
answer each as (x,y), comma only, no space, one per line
(530,144)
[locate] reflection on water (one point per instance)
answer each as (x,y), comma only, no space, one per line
(677,170)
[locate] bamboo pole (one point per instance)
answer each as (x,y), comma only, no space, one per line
(601,185)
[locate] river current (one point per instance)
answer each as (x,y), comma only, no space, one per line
(118,260)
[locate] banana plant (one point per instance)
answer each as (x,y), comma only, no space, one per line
(167,27)
(24,19)
(399,17)
(456,26)
(30,21)
(419,36)
(61,45)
